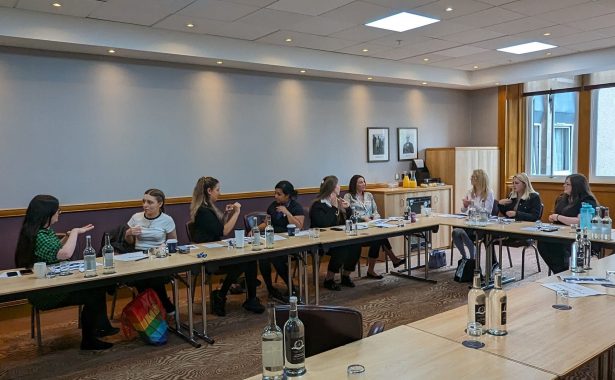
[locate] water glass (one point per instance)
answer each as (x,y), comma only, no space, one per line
(400,222)
(240,238)
(474,331)
(348,227)
(610,276)
(562,300)
(40,269)
(315,233)
(355,370)
(538,225)
(152,252)
(65,268)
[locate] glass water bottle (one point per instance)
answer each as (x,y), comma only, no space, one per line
(477,302)
(269,234)
(89,258)
(107,254)
(497,306)
(272,341)
(294,343)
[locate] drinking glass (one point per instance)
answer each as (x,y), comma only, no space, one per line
(65,268)
(355,370)
(40,269)
(152,252)
(400,222)
(474,330)
(315,233)
(610,276)
(561,300)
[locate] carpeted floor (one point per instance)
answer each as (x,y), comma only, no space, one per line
(236,353)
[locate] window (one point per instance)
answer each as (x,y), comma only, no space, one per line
(552,120)
(603,132)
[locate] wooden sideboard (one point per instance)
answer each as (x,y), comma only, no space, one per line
(389,201)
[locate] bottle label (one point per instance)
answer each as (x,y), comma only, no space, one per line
(503,313)
(479,314)
(297,351)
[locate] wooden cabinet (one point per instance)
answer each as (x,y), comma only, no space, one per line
(454,166)
(390,200)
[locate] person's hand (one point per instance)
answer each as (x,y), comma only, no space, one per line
(343,203)
(84,229)
(135,231)
(511,214)
(553,218)
(505,201)
(283,210)
(466,202)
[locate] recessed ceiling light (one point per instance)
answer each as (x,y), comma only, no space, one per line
(426,59)
(424,83)
(289,40)
(548,53)
(190,25)
(529,47)
(497,83)
(219,62)
(476,67)
(111,51)
(449,9)
(369,78)
(57,5)
(402,21)
(302,71)
(365,50)
(546,34)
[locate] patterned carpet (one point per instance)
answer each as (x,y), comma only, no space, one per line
(236,353)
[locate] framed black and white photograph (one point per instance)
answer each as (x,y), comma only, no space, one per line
(377,144)
(407,143)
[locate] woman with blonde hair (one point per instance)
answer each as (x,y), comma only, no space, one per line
(523,203)
(211,224)
(479,196)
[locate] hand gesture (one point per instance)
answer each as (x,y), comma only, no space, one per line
(511,214)
(466,202)
(343,203)
(505,201)
(283,210)
(84,229)
(135,231)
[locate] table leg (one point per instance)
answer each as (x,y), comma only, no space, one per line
(204,335)
(178,329)
(407,255)
(305,277)
(315,270)
(289,260)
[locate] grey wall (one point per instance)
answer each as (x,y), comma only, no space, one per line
(484,116)
(90,129)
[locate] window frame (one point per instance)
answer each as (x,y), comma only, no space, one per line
(593,136)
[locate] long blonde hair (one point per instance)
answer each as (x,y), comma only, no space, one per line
(482,184)
(200,197)
(522,177)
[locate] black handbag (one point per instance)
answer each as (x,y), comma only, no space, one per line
(465,270)
(437,259)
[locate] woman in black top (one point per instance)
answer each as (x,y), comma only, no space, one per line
(523,203)
(283,210)
(567,209)
(211,224)
(329,210)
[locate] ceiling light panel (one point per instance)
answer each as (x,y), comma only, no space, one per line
(402,22)
(529,47)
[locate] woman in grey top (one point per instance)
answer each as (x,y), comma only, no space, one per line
(364,207)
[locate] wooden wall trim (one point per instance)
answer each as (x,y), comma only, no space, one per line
(502,138)
(13,212)
(583,138)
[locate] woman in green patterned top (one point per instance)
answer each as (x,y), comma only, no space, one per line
(38,243)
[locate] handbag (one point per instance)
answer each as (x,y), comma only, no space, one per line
(146,317)
(465,270)
(437,259)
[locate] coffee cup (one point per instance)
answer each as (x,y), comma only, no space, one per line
(291,229)
(240,238)
(40,269)
(172,245)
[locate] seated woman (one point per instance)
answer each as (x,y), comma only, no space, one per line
(567,209)
(211,224)
(480,196)
(329,210)
(150,229)
(364,208)
(38,243)
(283,210)
(523,203)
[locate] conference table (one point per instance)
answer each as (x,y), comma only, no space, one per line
(405,352)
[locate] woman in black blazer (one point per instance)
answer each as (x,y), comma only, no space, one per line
(523,203)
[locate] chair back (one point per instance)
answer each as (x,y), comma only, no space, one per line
(306,218)
(495,210)
(117,236)
(248,219)
(190,230)
(326,327)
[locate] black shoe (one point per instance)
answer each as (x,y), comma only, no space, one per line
(218,304)
(236,289)
(254,305)
(375,276)
(400,262)
(277,295)
(331,285)
(106,332)
(346,281)
(95,344)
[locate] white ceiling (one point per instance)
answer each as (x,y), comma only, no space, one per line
(329,37)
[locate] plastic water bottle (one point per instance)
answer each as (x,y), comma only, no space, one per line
(89,258)
(586,215)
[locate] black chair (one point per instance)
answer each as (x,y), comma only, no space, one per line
(248,219)
(327,327)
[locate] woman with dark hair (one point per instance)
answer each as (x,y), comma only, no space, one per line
(150,229)
(211,224)
(329,210)
(38,243)
(364,208)
(567,210)
(283,210)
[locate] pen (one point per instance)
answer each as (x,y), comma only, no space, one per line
(142,258)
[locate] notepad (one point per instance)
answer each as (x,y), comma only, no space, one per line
(574,290)
(131,256)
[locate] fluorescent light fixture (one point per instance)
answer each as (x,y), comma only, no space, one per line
(401,22)
(529,47)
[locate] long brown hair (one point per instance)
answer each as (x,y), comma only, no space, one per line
(201,197)
(579,190)
(327,186)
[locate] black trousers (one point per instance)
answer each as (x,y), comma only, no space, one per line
(281,266)
(157,284)
(232,274)
(556,255)
(374,247)
(346,257)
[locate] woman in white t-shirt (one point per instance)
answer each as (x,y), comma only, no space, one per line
(149,229)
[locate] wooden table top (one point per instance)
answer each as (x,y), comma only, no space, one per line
(538,335)
(408,353)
